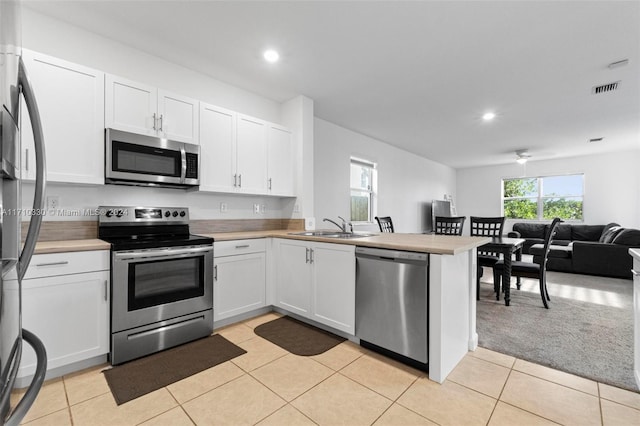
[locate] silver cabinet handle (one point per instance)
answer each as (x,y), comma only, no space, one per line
(106,290)
(306,255)
(312,255)
(269,184)
(154,121)
(635,273)
(240,180)
(161,122)
(215,272)
(63,262)
(243,246)
(235,180)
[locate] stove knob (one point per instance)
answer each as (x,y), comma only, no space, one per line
(109,213)
(175,213)
(167,213)
(119,213)
(182,213)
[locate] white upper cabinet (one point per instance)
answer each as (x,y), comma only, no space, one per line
(251,152)
(217,148)
(135,107)
(242,154)
(280,163)
(71,102)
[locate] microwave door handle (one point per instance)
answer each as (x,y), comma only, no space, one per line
(183,171)
(41,170)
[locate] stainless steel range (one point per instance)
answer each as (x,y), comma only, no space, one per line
(161,279)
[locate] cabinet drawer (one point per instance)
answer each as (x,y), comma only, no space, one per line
(47,265)
(230,248)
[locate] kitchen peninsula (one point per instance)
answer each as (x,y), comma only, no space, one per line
(452,290)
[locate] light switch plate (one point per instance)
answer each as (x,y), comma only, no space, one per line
(309,223)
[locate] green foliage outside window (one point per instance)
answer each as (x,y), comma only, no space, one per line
(524,198)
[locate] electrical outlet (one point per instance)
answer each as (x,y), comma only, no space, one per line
(223,207)
(53,202)
(256,208)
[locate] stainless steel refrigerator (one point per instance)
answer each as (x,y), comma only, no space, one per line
(14,87)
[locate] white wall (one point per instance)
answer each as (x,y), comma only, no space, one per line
(56,38)
(612,186)
(405,181)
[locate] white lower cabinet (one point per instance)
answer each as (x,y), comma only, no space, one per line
(65,302)
(239,273)
(317,281)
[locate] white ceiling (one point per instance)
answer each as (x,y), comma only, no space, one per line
(417,74)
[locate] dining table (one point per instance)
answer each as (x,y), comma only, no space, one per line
(507,246)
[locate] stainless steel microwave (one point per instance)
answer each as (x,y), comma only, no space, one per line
(132,159)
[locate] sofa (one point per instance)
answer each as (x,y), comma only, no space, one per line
(583,249)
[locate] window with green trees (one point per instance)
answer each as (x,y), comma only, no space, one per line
(544,197)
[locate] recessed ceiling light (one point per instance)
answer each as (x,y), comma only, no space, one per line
(271,56)
(489,116)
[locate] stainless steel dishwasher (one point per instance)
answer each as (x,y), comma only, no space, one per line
(392,303)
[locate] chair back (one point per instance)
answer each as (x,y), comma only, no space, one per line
(486,226)
(553,228)
(449,225)
(385,224)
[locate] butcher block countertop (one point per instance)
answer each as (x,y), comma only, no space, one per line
(423,243)
(45,247)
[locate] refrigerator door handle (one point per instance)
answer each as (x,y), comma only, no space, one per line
(38,199)
(38,378)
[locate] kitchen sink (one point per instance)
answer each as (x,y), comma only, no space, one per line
(332,234)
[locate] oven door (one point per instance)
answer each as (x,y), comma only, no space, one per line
(154,285)
(143,159)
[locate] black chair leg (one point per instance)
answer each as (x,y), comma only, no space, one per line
(479,274)
(496,283)
(543,292)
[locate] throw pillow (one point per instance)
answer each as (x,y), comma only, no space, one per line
(628,237)
(606,228)
(610,234)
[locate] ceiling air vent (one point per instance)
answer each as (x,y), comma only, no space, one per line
(603,88)
(595,140)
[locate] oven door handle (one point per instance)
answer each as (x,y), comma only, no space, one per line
(162,253)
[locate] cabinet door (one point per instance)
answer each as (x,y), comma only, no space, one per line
(70,314)
(217,148)
(71,102)
(293,277)
(178,117)
(334,285)
(130,106)
(239,284)
(280,161)
(251,152)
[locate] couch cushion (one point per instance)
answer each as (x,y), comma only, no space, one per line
(628,237)
(610,234)
(586,232)
(563,232)
(607,227)
(530,230)
(559,252)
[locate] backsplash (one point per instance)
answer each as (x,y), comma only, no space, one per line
(81,230)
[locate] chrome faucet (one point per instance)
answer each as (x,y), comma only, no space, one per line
(342,227)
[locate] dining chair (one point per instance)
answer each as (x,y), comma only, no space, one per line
(385,224)
(449,225)
(531,269)
(486,227)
